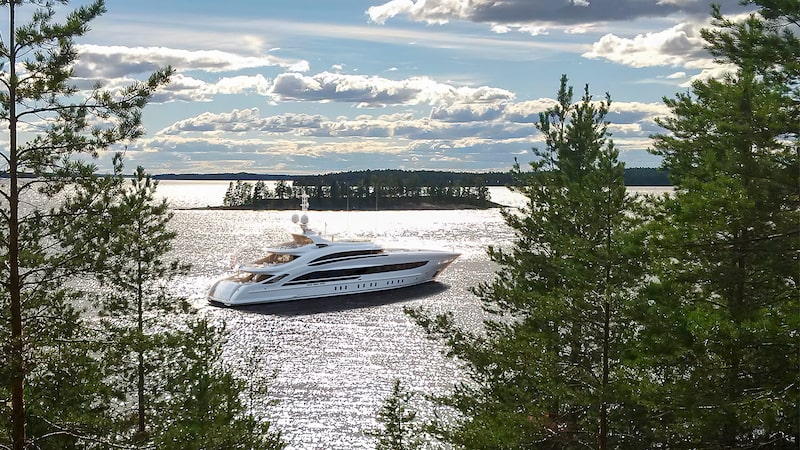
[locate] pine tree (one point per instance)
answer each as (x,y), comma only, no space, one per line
(137,313)
(282,189)
(154,346)
(204,410)
(399,430)
(552,367)
(242,193)
(336,191)
(229,196)
(260,191)
(52,400)
(723,314)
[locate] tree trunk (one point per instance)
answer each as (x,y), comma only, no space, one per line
(17,357)
(602,441)
(140,351)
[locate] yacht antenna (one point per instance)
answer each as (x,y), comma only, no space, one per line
(302,220)
(304,201)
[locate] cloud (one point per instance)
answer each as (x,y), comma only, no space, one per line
(377,91)
(717,72)
(528,111)
(676,76)
(435,11)
(188,89)
(185,88)
(628,112)
(679,46)
(243,85)
(245,124)
(468,112)
(549,12)
(97,61)
(181,88)
(246,121)
(421,123)
(495,120)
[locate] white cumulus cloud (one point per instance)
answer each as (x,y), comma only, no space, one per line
(378,91)
(97,61)
(680,46)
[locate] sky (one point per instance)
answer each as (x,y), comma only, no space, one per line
(319,86)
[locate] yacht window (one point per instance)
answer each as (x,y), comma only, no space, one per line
(354,272)
(276,279)
(347,255)
(261,277)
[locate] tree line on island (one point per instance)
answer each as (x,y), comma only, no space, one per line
(387,189)
(374,192)
(614,320)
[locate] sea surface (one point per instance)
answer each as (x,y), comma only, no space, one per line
(329,363)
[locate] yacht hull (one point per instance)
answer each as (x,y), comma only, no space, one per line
(407,269)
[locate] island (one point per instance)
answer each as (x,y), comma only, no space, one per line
(388,189)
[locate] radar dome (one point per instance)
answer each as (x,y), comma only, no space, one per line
(295,218)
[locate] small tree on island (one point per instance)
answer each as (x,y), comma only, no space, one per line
(260,191)
(239,193)
(228,200)
(282,189)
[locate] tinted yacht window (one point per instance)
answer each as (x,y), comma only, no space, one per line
(351,254)
(320,275)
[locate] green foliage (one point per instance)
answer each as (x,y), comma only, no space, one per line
(82,367)
(239,194)
(261,191)
(151,361)
(392,193)
(399,430)
(204,409)
(66,400)
(552,367)
(137,314)
(723,316)
(408,178)
(282,189)
(639,176)
(46,345)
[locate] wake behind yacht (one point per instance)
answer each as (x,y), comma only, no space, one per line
(310,266)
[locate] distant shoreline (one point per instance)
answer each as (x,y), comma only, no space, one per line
(634,176)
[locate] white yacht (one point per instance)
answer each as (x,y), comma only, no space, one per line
(311,266)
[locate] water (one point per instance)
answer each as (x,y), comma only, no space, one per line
(331,361)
